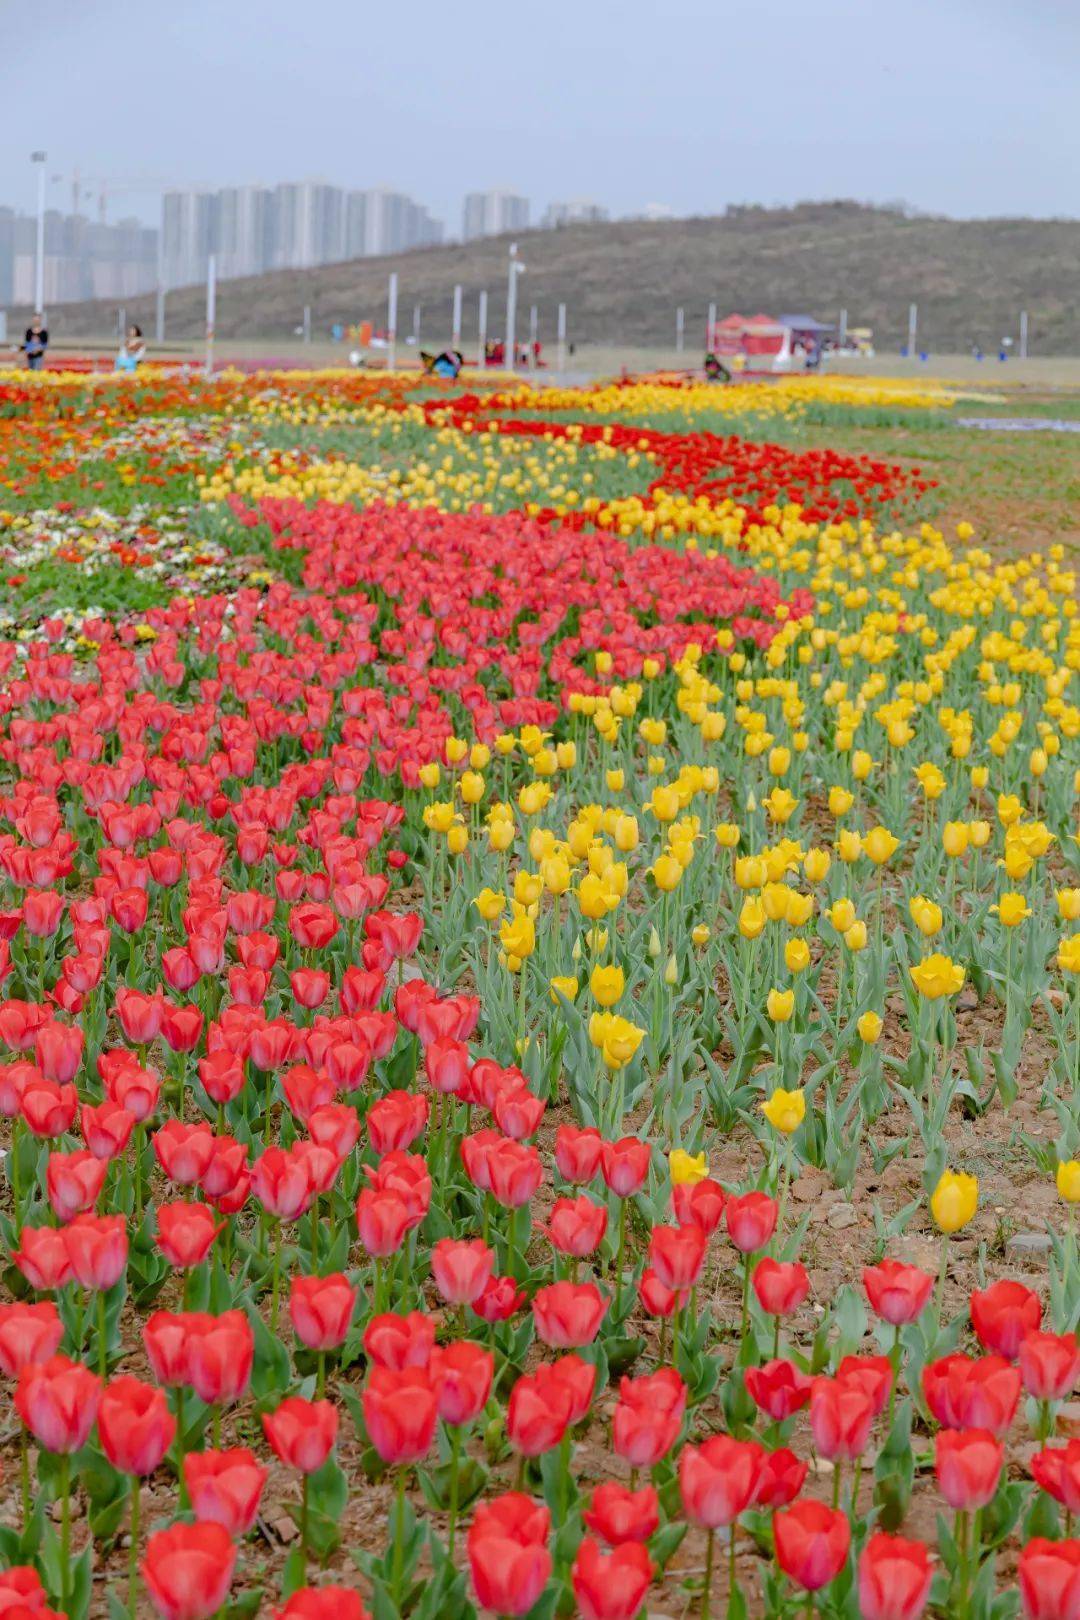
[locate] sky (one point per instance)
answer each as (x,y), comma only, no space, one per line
(961,107)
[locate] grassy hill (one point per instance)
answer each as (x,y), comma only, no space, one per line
(622,282)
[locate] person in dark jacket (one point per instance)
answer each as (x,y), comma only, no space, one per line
(35,343)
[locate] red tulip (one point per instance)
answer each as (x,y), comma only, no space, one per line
(135,1426)
(515,1171)
(97,1248)
(461,1268)
(181,1027)
(185,1233)
(396,1342)
(1050,1579)
(841,1416)
(538,1413)
(48,1107)
(979,1393)
(166,1338)
(461,1374)
(780,1286)
(625,1165)
(968,1465)
(57,1400)
(323,1603)
(617,1514)
(396,1120)
(719,1479)
(321,1309)
(222,1076)
(22,1594)
(655,1296)
(508,1554)
(611,1586)
(281,1182)
(894,1578)
(1049,1365)
(337,1127)
(751,1220)
(648,1417)
(220,1353)
(74,1182)
(698,1203)
(58,1051)
(383,1219)
(568,1315)
(578,1153)
(778,1388)
(574,1378)
(106,1128)
(139,1015)
(188,1570)
(872,1374)
(302,1433)
(782,1477)
(812,1543)
(1003,1314)
(225,1487)
(184,1151)
(400,1411)
(28,1334)
(677,1254)
(576,1226)
(446,1064)
(1056,1470)
(897,1293)
(500,1300)
(43,1257)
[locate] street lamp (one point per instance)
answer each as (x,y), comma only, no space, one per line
(39,273)
(516,268)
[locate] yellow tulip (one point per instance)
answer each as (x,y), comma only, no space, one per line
(457,839)
(869,1027)
(849,845)
(528,887)
(472,787)
(955,836)
(1012,910)
(752,918)
(780,1005)
(1068,1180)
(880,844)
(925,914)
(566,985)
(937,976)
(954,1200)
(855,936)
(816,863)
(490,904)
(727,835)
(785,1110)
(841,800)
(518,936)
(430,773)
(607,984)
(797,955)
(780,805)
(666,873)
(1068,902)
(701,934)
(841,914)
(1068,954)
(687,1169)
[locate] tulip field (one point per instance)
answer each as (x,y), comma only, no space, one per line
(539,1007)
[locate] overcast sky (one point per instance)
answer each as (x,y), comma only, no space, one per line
(965,107)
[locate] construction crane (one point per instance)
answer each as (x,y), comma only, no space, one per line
(83,186)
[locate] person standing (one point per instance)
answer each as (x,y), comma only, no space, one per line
(35,343)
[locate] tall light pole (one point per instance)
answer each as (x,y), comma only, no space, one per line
(514,269)
(39,272)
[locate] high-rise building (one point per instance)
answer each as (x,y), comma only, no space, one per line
(292,226)
(578,211)
(492,213)
(189,229)
(83,259)
(392,222)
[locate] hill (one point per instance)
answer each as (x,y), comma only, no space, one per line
(622,281)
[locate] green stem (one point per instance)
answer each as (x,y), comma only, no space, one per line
(65,1532)
(619,1257)
(24,1474)
(320,1376)
(180,1446)
(275,1290)
(707,1587)
(399,1538)
(455,1454)
(304,1491)
(133,1552)
(939,1296)
(895,1359)
(103,1342)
